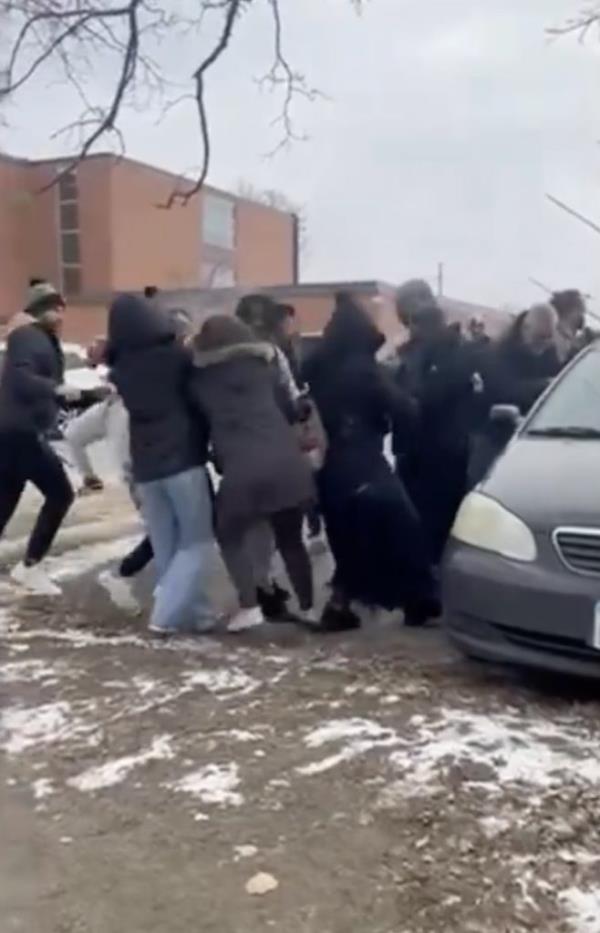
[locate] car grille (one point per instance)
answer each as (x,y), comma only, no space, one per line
(579,549)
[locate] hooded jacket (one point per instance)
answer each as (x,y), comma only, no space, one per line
(257,451)
(32,369)
(356,398)
(151,370)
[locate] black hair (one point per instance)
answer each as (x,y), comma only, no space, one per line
(36,281)
(150,291)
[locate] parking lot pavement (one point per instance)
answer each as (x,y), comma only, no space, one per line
(382,785)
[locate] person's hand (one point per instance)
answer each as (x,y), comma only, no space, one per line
(67,393)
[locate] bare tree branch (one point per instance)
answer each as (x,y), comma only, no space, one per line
(581,24)
(77,39)
(573,213)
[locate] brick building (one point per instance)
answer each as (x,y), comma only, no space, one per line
(101,229)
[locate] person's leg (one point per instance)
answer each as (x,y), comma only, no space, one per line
(46,472)
(12,479)
(287,527)
(80,433)
(160,522)
(237,552)
(137,559)
(183,600)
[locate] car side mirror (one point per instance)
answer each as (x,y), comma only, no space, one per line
(508,416)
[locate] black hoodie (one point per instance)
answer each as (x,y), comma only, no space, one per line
(151,371)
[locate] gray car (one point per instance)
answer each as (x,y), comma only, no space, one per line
(522,571)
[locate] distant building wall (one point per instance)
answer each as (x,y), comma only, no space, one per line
(119,237)
(266,246)
(14,216)
(151,245)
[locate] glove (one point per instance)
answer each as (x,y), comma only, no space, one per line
(67,393)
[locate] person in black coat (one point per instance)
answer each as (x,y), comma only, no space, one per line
(515,371)
(31,393)
(151,370)
(436,368)
(374,532)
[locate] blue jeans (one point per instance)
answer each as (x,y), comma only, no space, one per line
(178,515)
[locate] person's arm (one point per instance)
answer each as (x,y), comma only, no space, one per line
(28,383)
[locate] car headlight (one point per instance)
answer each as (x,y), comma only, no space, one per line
(484,523)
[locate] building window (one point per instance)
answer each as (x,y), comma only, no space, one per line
(71,254)
(70,243)
(218,221)
(69,216)
(71,278)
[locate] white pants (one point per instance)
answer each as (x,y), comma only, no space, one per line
(107,421)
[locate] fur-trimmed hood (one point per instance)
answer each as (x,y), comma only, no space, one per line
(258,351)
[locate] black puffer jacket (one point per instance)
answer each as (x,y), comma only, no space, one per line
(151,371)
(33,367)
(438,373)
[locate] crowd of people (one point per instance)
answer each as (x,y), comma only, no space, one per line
(226,437)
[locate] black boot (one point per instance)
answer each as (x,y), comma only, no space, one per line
(274,604)
(418,614)
(338,618)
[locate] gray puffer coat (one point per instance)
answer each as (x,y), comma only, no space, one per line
(255,447)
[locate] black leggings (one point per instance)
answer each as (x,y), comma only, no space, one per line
(24,458)
(137,559)
(287,529)
(247,553)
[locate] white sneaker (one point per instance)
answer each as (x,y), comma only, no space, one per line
(35,580)
(119,591)
(246,619)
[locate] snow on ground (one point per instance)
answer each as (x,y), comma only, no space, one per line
(376,775)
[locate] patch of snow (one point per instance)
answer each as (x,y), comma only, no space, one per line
(494,826)
(42,788)
(358,735)
(513,749)
(214,784)
(242,735)
(583,909)
(116,771)
(578,857)
(6,621)
(82,638)
(25,727)
(34,671)
(222,681)
(76,562)
(240,852)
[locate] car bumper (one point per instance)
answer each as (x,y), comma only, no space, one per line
(530,615)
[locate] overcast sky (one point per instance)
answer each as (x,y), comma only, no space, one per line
(446,123)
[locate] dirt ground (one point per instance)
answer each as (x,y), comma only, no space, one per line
(385,785)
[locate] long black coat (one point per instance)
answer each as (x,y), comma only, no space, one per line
(373,529)
(152,373)
(438,372)
(255,447)
(33,368)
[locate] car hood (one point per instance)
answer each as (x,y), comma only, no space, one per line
(549,481)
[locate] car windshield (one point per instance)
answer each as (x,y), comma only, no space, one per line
(573,407)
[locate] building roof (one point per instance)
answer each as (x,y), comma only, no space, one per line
(174,176)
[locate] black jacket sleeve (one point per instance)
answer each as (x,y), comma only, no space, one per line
(28,384)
